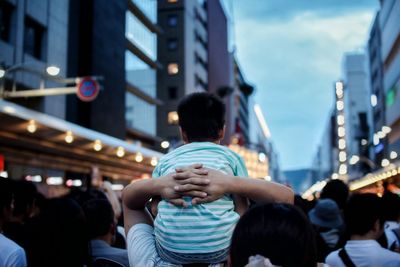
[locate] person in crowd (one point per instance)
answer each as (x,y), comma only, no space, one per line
(391,208)
(204,185)
(57,237)
(327,222)
(278,232)
(202,127)
(102,225)
(25,194)
(11,254)
(336,190)
(364,221)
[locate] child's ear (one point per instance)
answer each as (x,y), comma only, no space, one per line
(183,135)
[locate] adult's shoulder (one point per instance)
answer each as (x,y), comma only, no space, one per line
(333,259)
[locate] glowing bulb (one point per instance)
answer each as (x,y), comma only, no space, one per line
(69,138)
(153,161)
(262,157)
(386,129)
(139,157)
(340,120)
(340,105)
(342,156)
(385,163)
(342,169)
(120,152)
(354,159)
(341,131)
(53,70)
(97,146)
(393,155)
(165,144)
(2,73)
(342,143)
(31,126)
(335,175)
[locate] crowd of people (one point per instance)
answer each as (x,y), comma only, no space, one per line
(198,209)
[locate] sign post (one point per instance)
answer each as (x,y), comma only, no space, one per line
(87,89)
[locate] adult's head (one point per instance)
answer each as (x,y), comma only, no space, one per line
(391,207)
(100,219)
(336,190)
(364,216)
(24,200)
(6,199)
(201,117)
(280,232)
(326,214)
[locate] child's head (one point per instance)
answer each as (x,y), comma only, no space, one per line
(201,117)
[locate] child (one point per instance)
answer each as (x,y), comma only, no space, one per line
(199,233)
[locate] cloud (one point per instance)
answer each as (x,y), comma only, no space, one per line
(293,64)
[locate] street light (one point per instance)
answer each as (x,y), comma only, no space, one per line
(53,70)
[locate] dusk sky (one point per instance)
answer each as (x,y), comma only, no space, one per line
(291,51)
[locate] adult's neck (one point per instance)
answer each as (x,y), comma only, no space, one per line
(368,236)
(108,238)
(204,140)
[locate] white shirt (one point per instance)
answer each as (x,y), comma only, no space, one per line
(391,237)
(365,253)
(11,255)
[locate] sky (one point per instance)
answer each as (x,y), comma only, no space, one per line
(291,51)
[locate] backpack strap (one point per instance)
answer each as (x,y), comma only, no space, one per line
(345,258)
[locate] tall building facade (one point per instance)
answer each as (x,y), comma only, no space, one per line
(183,51)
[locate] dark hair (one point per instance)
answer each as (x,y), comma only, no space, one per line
(5,195)
(201,116)
(361,213)
(391,206)
(280,232)
(336,190)
(24,198)
(99,216)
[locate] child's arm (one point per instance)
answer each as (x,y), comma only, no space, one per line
(241,204)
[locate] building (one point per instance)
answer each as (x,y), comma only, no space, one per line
(60,136)
(183,51)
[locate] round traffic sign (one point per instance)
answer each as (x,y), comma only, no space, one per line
(88,89)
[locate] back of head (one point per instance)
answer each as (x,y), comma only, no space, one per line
(24,198)
(362,212)
(280,232)
(99,216)
(336,190)
(391,207)
(201,117)
(5,198)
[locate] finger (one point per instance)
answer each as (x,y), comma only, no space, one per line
(196,166)
(188,187)
(191,167)
(200,171)
(178,202)
(199,200)
(195,181)
(195,193)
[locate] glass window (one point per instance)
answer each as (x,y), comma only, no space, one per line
(140,114)
(5,20)
(34,38)
(173,68)
(149,8)
(139,74)
(172,20)
(173,117)
(172,44)
(172,93)
(141,36)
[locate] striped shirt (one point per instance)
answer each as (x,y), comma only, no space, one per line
(203,228)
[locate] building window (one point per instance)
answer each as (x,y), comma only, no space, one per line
(33,38)
(172,44)
(172,20)
(173,68)
(173,117)
(5,21)
(172,93)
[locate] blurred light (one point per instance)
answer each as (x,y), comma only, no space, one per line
(340,120)
(173,68)
(381,134)
(9,109)
(4,174)
(2,73)
(262,157)
(139,157)
(53,70)
(97,146)
(31,126)
(364,142)
(33,178)
(339,105)
(69,138)
(342,169)
(339,89)
(374,100)
(120,152)
(342,156)
(393,155)
(267,178)
(386,129)
(354,159)
(173,117)
(54,180)
(153,161)
(335,175)
(117,187)
(76,183)
(165,144)
(342,143)
(376,139)
(262,121)
(145,176)
(385,163)
(341,131)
